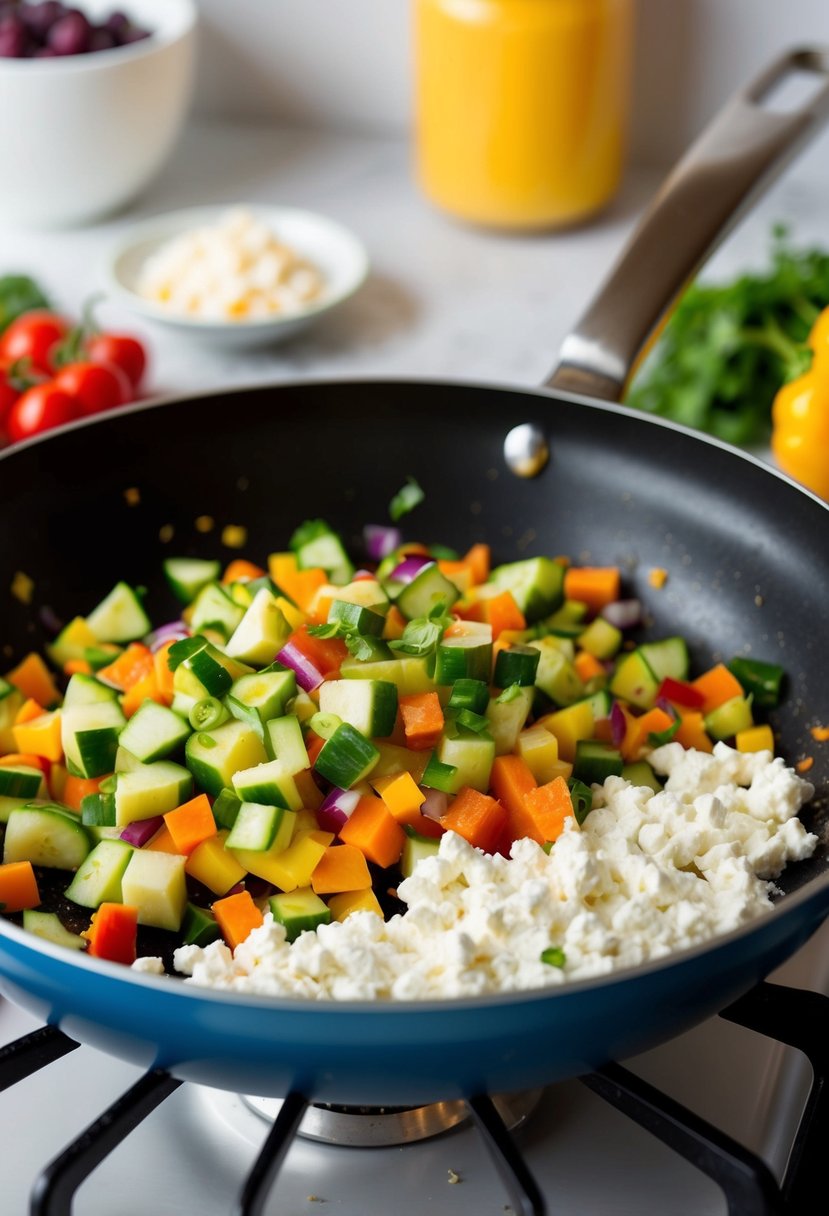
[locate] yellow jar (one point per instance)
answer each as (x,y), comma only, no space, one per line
(522,107)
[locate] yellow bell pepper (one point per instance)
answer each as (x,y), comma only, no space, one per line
(800,417)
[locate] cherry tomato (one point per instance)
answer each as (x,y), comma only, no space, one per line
(122,350)
(32,336)
(39,409)
(8,395)
(95,386)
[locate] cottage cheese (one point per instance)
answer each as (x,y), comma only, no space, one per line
(647,874)
(234,270)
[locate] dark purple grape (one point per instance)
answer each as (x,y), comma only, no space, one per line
(39,18)
(69,35)
(118,24)
(101,39)
(12,38)
(134,34)
(44,52)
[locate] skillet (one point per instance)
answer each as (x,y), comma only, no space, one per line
(744,548)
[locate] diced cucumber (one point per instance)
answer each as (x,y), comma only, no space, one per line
(214,756)
(284,742)
(516,665)
(316,545)
(600,702)
(126,762)
(428,588)
(200,926)
(507,718)
(347,757)
(366,592)
(465,654)
(596,761)
(226,808)
(98,810)
(187,575)
(71,643)
(299,911)
(410,673)
(641,773)
(48,926)
(267,863)
(46,836)
(761,680)
(357,618)
(556,676)
(90,734)
(536,584)
(267,783)
(120,616)
(213,671)
(733,715)
(154,732)
(469,694)
(21,781)
(155,883)
(152,789)
(86,690)
(98,878)
(634,680)
(7,805)
(370,706)
(415,848)
(470,754)
(601,639)
(260,696)
(667,658)
(261,633)
(255,827)
(214,609)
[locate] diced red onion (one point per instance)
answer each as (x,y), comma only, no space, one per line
(618,724)
(49,619)
(410,567)
(436,803)
(308,675)
(624,614)
(380,540)
(171,632)
(258,888)
(337,806)
(140,831)
(664,704)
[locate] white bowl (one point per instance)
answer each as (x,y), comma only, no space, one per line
(332,249)
(81,135)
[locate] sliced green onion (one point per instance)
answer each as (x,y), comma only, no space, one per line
(207,714)
(554,956)
(581,797)
(325,725)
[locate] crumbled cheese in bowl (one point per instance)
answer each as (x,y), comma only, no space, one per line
(647,874)
(234,270)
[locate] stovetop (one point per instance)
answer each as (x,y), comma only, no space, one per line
(192,1154)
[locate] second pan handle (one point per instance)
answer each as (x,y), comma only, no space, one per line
(734,160)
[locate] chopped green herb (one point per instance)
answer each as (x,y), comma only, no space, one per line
(554,956)
(581,797)
(406,499)
(18,294)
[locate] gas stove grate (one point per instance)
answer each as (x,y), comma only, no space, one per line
(788,1015)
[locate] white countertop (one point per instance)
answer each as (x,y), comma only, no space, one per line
(442,300)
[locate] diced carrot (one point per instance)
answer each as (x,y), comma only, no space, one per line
(27,760)
(239,571)
(595,586)
(511,780)
(479,559)
(161,669)
(162,842)
(145,690)
(75,789)
(28,711)
(131,666)
(692,732)
(717,686)
(422,719)
(549,807)
(587,665)
(77,667)
(638,728)
(33,678)
(327,654)
(373,830)
(18,887)
(238,916)
(342,867)
(299,585)
(190,824)
(477,817)
(502,613)
(395,624)
(424,826)
(113,932)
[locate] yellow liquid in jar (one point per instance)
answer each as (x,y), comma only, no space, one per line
(522,107)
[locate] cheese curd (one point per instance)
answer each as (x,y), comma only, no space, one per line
(234,270)
(646,875)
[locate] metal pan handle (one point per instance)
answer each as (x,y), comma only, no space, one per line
(735,159)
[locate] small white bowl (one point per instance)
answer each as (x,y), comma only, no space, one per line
(338,255)
(81,135)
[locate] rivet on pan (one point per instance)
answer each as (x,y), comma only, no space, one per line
(526,450)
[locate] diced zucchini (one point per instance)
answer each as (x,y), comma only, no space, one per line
(98,878)
(595,761)
(267,863)
(347,757)
(260,696)
(155,884)
(601,639)
(667,658)
(22,781)
(46,836)
(641,773)
(120,616)
(357,618)
(465,654)
(516,665)
(370,706)
(506,718)
(316,545)
(556,676)
(299,911)
(151,789)
(261,633)
(536,584)
(255,827)
(415,848)
(200,926)
(428,588)
(762,681)
(90,734)
(214,756)
(154,732)
(733,715)
(48,926)
(284,742)
(226,808)
(86,690)
(214,609)
(634,680)
(187,575)
(267,783)
(410,673)
(470,754)
(212,672)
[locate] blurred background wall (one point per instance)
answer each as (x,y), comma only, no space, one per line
(346,63)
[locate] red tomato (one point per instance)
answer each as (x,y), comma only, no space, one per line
(8,395)
(96,386)
(125,352)
(33,336)
(39,409)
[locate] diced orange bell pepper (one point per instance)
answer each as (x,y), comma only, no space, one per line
(18,887)
(33,678)
(373,830)
(238,916)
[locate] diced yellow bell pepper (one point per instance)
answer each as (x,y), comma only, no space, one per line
(346,902)
(538,748)
(294,866)
(569,725)
(214,866)
(753,739)
(400,793)
(40,736)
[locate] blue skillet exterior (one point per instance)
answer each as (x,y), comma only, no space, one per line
(745,552)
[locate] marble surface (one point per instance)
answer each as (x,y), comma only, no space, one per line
(442,300)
